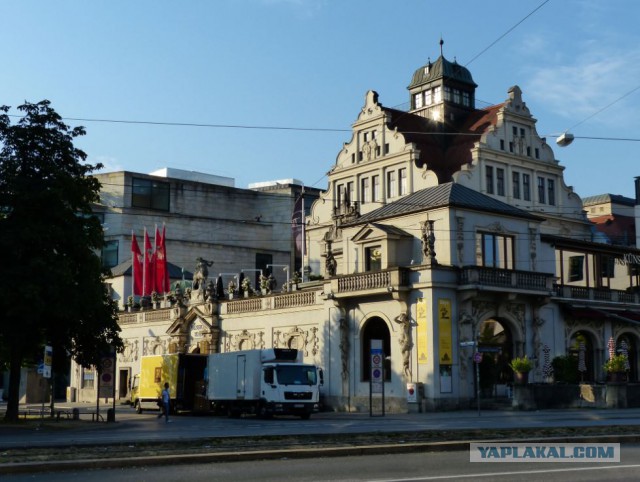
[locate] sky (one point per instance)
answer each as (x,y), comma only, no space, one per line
(304,67)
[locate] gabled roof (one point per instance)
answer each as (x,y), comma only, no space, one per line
(443,148)
(124,269)
(449,194)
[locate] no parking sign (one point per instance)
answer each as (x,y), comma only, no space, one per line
(377,368)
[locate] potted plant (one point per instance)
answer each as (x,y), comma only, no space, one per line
(616,367)
(231,288)
(521,367)
(130,303)
(155,299)
(246,287)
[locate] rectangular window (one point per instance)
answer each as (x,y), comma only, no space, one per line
(373,258)
(514,130)
(147,193)
(456,96)
(391,184)
(466,99)
(437,95)
(447,93)
(340,193)
(521,132)
(551,192)
(427,97)
(500,181)
(488,170)
(110,254)
(576,268)
(526,187)
(528,151)
(502,144)
(607,266)
(386,148)
(418,100)
(515,182)
(541,189)
(365,194)
(510,146)
(375,184)
(349,193)
(497,250)
(537,153)
(402,186)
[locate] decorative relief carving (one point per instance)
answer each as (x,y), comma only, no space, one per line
(405,342)
(154,345)
(305,341)
(344,346)
(244,340)
(130,352)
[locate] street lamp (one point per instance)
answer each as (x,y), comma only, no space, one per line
(565,139)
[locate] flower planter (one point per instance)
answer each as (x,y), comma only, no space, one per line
(521,378)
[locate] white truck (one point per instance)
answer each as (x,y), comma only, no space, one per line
(264,382)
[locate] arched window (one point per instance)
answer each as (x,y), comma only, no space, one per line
(581,347)
(375,329)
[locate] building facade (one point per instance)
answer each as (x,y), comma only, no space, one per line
(448,237)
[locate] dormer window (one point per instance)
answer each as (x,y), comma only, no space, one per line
(466,99)
(456,96)
(447,93)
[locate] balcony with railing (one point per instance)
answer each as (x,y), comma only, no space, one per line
(584,293)
(373,282)
(497,279)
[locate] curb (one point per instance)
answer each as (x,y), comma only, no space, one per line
(180,459)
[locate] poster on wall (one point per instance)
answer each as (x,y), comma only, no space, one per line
(444,332)
(421,320)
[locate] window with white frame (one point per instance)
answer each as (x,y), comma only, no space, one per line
(500,181)
(488,172)
(365,193)
(551,192)
(391,184)
(526,187)
(402,186)
(375,189)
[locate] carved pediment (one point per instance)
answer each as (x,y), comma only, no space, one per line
(375,232)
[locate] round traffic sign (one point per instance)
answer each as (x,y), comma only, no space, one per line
(477,357)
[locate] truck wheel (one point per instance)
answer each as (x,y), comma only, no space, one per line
(138,407)
(263,412)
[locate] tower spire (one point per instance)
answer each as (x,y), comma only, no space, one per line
(441,44)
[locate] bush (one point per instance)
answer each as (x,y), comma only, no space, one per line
(617,364)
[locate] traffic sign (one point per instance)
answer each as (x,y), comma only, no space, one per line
(467,343)
(477,357)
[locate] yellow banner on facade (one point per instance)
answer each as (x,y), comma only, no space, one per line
(445,340)
(421,319)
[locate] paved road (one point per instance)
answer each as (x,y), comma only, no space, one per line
(132,427)
(412,467)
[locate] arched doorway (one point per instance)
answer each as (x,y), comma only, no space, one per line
(495,342)
(581,347)
(375,329)
(626,344)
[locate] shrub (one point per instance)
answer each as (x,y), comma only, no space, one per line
(521,364)
(565,369)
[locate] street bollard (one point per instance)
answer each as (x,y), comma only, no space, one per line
(111,415)
(76,413)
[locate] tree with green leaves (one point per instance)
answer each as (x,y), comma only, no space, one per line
(52,285)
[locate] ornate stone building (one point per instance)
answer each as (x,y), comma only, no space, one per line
(442,227)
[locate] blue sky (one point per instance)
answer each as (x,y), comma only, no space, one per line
(308,64)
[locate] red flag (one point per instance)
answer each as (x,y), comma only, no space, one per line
(136,266)
(148,284)
(162,273)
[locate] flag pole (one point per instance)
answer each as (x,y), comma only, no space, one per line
(144,263)
(133,273)
(303,234)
